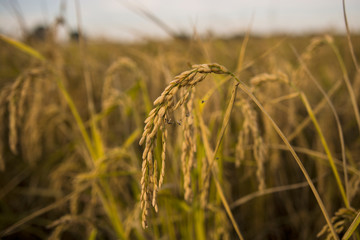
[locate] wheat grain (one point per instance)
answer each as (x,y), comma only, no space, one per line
(163,155)
(187,154)
(12,99)
(155,185)
(25,90)
(31,131)
(342,220)
(3,108)
(314,44)
(164,104)
(108,93)
(250,126)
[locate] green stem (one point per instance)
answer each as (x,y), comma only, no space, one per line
(77,117)
(326,148)
(352,227)
(347,81)
(110,207)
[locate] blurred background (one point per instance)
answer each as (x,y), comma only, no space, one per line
(134,20)
(78,84)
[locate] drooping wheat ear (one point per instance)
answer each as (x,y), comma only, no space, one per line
(249,131)
(163,155)
(155,185)
(164,105)
(3,108)
(33,109)
(23,93)
(266,77)
(354,187)
(309,51)
(108,93)
(342,220)
(13,99)
(188,147)
(111,96)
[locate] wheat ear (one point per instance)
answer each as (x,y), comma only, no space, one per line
(164,105)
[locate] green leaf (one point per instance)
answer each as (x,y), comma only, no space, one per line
(23,47)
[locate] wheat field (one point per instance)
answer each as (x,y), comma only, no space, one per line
(201,138)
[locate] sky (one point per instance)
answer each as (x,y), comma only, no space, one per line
(117,19)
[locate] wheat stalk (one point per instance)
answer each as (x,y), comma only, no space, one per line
(250,126)
(156,120)
(188,147)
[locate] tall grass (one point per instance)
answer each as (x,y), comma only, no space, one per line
(225,153)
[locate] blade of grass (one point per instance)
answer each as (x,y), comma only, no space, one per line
(109,203)
(77,117)
(284,98)
(240,63)
(23,47)
(39,212)
(315,154)
(337,119)
(132,138)
(349,37)
(242,50)
(93,234)
(352,227)
(326,147)
(256,194)
(98,147)
(200,224)
(317,109)
(145,96)
(12,183)
(346,79)
(210,154)
(222,131)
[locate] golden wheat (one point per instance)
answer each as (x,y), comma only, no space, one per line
(188,147)
(342,220)
(164,105)
(250,132)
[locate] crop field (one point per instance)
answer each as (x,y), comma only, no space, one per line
(200,138)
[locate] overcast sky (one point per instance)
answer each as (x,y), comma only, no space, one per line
(114,19)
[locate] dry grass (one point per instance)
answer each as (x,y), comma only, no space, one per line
(211,164)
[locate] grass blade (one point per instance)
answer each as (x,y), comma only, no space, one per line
(326,147)
(212,154)
(352,227)
(340,131)
(23,47)
(349,37)
(39,212)
(354,103)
